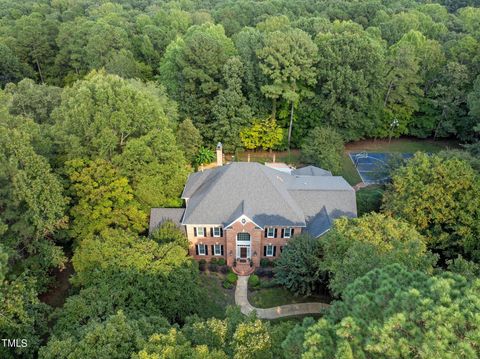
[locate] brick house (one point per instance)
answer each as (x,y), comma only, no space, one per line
(246,211)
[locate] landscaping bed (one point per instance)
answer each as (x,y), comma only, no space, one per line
(265,293)
(216,296)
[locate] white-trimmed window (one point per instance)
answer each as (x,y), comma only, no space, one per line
(217,232)
(269,251)
(287,232)
(200,231)
(270,232)
(217,250)
(202,249)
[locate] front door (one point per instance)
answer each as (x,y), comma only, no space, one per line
(243,252)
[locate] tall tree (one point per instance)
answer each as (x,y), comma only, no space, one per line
(299,268)
(354,247)
(102,199)
(189,139)
(191,70)
(451,225)
(394,313)
(86,125)
(230,110)
(287,58)
(350,78)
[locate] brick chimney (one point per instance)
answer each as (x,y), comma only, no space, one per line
(219,154)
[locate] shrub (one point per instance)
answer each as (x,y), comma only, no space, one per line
(214,261)
(268,284)
(213,267)
(227,285)
(264,272)
(264,263)
(221,261)
(231,278)
(202,265)
(223,269)
(253,281)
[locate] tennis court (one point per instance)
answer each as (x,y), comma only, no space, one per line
(375,167)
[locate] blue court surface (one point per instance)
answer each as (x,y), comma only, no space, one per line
(374,167)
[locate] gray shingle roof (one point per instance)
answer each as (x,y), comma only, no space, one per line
(260,191)
(266,196)
(160,215)
(311,171)
(319,224)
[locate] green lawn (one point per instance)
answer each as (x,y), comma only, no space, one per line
(215,297)
(272,297)
(349,172)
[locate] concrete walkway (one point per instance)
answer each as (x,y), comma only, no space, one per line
(241,299)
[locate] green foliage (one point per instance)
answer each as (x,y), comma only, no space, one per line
(394,313)
(451,224)
(23,316)
(323,147)
(299,267)
(148,279)
(253,281)
(191,70)
(102,199)
(350,77)
(204,156)
(467,269)
(116,337)
(169,232)
(155,167)
(230,110)
(369,199)
(33,101)
(231,277)
(189,139)
(293,344)
(355,246)
(262,134)
(86,126)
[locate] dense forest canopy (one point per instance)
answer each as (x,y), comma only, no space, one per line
(366,68)
(106,106)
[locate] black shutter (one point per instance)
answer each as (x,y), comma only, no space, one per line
(274,251)
(206,250)
(264,251)
(196,249)
(283,233)
(291,232)
(266,231)
(281,249)
(213,249)
(211,231)
(195,231)
(204,231)
(221,249)
(276,232)
(221,232)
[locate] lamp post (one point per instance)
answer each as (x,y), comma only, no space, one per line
(392,126)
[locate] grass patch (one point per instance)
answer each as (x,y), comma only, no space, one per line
(349,172)
(369,199)
(215,297)
(272,297)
